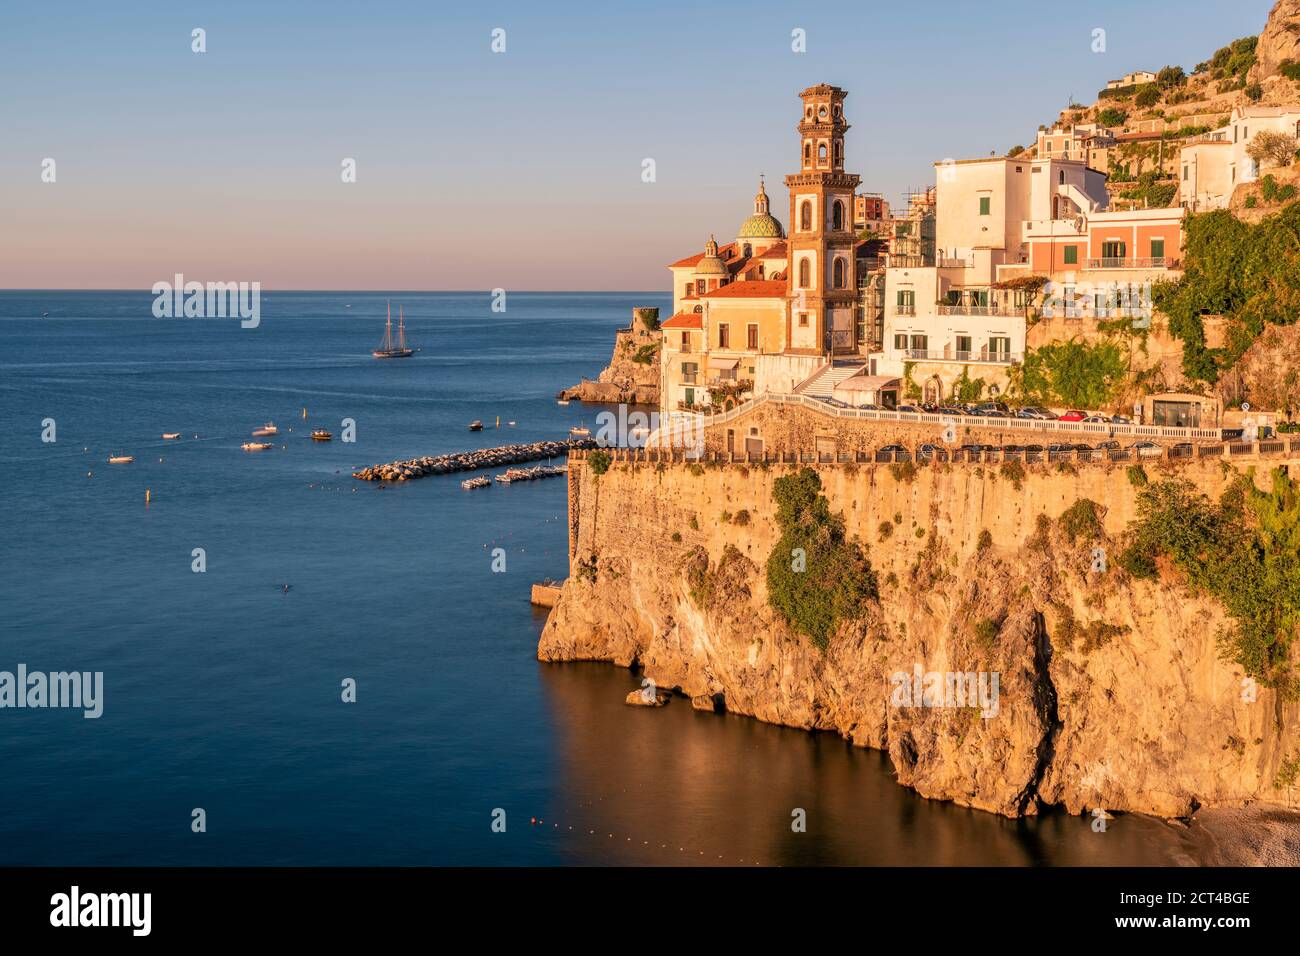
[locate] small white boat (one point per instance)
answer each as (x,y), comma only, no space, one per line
(120,459)
(267,429)
(477,482)
(578,431)
(561,401)
(171,436)
(255,445)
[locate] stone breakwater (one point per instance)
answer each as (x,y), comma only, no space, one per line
(471,460)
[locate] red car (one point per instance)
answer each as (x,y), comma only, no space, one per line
(1074,415)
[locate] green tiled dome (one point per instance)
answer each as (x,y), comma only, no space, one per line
(760,226)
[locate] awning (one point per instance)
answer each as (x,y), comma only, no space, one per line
(722,364)
(868,383)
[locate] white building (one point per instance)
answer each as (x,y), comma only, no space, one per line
(1210,168)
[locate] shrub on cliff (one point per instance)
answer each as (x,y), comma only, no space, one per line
(1081,520)
(1243,551)
(816,577)
(598,461)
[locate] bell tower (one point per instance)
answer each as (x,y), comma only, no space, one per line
(822,281)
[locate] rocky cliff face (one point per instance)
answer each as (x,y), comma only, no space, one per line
(632,376)
(1280,40)
(1111,692)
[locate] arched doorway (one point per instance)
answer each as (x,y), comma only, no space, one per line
(932,390)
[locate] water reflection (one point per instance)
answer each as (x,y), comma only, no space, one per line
(668,786)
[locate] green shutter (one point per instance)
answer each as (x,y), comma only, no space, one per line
(1071,255)
(1157,248)
(985,202)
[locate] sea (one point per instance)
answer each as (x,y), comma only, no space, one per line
(304,669)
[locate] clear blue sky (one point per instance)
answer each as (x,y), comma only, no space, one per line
(522,169)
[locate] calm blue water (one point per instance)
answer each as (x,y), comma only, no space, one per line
(223,691)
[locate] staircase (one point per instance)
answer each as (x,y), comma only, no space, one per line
(822,382)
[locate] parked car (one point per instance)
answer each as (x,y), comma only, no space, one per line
(1073,415)
(1098,419)
(1111,445)
(891,452)
(1120,420)
(951,410)
(908,408)
(997,409)
(931,452)
(1146,449)
(976,449)
(1036,412)
(1034,449)
(929,408)
(1183,449)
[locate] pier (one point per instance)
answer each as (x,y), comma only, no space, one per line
(471,460)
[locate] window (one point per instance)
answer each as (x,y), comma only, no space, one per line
(1113,250)
(803,320)
(906,299)
(963,346)
(1184,174)
(689,372)
(1061,177)
(690,396)
(807,154)
(985,205)
(724,336)
(1000,348)
(837,274)
(752,337)
(690,288)
(803,274)
(920,343)
(900,342)
(686,341)
(1157,248)
(747,250)
(839,154)
(821,154)
(837,215)
(805,215)
(1071,255)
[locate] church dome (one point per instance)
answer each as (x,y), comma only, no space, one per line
(761,226)
(711,264)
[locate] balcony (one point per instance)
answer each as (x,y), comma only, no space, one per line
(943,262)
(995,309)
(690,378)
(982,356)
(904,310)
(1156,262)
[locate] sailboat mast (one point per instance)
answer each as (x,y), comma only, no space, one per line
(388,328)
(401,329)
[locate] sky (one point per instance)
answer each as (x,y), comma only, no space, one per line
(521,169)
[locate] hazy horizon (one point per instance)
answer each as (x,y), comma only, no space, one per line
(484,170)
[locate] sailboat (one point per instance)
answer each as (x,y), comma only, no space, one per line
(387,349)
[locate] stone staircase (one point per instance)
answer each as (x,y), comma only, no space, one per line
(822,382)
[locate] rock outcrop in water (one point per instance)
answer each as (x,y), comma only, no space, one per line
(1112,693)
(632,376)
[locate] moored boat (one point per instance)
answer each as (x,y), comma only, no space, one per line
(171,436)
(476,482)
(267,429)
(578,431)
(476,426)
(320,434)
(120,459)
(256,445)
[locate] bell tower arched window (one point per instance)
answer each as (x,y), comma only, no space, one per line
(804,273)
(837,215)
(805,215)
(837,274)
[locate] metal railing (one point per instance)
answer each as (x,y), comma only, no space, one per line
(904,310)
(1103,429)
(996,309)
(1122,262)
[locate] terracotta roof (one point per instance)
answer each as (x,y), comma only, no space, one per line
(754,289)
(738,265)
(777,251)
(723,251)
(684,320)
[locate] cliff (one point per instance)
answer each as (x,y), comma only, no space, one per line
(1279,42)
(632,376)
(1112,693)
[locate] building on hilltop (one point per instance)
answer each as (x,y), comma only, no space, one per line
(1211,167)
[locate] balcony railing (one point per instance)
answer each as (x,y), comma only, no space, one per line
(945,263)
(984,356)
(1154,262)
(905,310)
(995,309)
(689,378)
